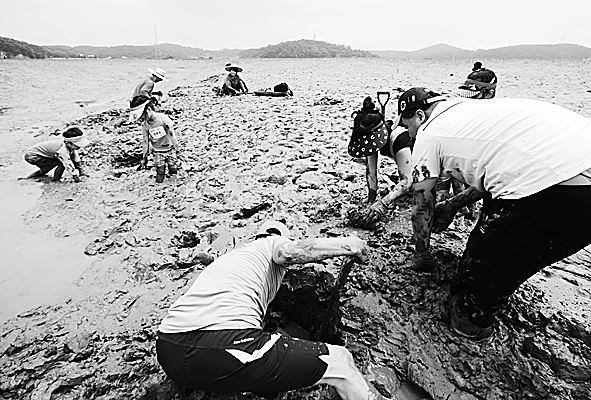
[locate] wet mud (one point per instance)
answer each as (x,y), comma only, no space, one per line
(247,159)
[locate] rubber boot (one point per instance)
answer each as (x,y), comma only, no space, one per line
(160,171)
(57,174)
(172,169)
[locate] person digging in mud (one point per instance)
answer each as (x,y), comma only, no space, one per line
(158,135)
(212,337)
(233,84)
(529,162)
(372,135)
(146,86)
(61,154)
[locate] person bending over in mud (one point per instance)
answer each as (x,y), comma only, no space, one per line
(233,84)
(529,161)
(372,135)
(146,86)
(212,337)
(61,154)
(158,135)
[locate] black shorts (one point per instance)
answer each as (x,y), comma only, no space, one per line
(44,163)
(244,360)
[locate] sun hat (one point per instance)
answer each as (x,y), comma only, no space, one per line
(271,227)
(230,66)
(158,73)
(370,133)
(481,81)
(137,107)
(74,135)
(413,99)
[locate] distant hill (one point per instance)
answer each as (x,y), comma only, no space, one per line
(444,51)
(10,48)
(161,51)
(305,49)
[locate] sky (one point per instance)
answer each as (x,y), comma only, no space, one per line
(242,24)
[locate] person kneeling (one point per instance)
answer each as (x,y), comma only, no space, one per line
(212,338)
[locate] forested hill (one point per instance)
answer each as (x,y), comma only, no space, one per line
(305,49)
(11,48)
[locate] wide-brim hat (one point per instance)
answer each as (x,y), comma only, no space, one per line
(231,66)
(158,73)
(271,227)
(79,141)
(367,141)
(137,110)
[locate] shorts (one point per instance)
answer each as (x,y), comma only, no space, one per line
(240,360)
(44,163)
(162,158)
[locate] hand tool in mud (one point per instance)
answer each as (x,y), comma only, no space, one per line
(328,331)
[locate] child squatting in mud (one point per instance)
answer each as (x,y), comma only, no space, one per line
(158,134)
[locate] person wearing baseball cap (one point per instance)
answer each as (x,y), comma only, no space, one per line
(146,86)
(529,161)
(212,338)
(59,154)
(480,84)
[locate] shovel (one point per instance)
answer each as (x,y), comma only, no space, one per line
(328,331)
(383,103)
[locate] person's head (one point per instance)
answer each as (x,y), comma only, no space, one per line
(480,84)
(158,74)
(272,228)
(74,140)
(415,107)
(233,68)
(141,108)
(477,66)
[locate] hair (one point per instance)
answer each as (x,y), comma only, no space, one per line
(72,132)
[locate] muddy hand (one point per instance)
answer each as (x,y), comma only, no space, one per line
(359,248)
(375,212)
(443,216)
(143,164)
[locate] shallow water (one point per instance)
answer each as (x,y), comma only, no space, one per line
(41,96)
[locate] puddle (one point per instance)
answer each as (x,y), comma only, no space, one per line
(36,267)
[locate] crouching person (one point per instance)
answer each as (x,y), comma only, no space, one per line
(61,154)
(158,134)
(212,337)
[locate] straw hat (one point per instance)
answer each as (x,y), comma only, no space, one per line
(158,73)
(230,66)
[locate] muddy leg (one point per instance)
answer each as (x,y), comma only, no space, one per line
(160,172)
(172,162)
(57,174)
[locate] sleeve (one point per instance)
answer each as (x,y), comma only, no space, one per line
(166,121)
(63,155)
(147,88)
(402,140)
(278,242)
(425,156)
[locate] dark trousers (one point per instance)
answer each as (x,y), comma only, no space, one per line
(46,164)
(514,239)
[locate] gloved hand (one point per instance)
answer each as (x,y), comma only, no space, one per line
(443,216)
(359,248)
(77,178)
(423,261)
(375,212)
(371,195)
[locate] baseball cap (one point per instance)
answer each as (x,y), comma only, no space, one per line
(415,98)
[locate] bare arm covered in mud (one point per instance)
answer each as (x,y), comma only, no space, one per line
(423,209)
(318,249)
(446,210)
(173,139)
(145,143)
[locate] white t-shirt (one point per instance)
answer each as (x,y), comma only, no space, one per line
(509,147)
(233,292)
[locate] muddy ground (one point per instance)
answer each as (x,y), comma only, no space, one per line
(287,159)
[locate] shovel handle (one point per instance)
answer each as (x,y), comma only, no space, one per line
(383,103)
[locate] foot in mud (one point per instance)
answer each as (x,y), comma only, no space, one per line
(471,324)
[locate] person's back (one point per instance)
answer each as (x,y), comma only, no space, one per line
(231,293)
(512,147)
(48,148)
(144,88)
